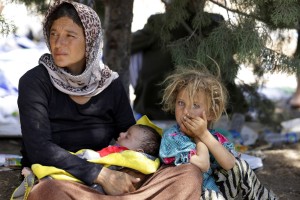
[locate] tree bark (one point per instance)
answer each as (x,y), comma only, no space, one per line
(117,34)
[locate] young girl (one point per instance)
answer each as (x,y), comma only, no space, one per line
(199,99)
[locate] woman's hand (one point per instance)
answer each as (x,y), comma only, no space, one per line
(115,182)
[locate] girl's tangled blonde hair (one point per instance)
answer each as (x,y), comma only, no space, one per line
(195,81)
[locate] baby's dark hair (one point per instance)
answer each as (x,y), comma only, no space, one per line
(151,141)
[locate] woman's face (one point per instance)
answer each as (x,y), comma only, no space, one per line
(67,43)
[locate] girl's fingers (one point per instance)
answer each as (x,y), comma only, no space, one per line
(204,116)
(190,125)
(187,121)
(184,128)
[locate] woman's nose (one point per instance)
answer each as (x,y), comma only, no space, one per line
(60,41)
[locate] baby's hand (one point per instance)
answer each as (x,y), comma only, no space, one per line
(26,171)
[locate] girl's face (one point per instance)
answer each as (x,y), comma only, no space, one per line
(132,138)
(185,106)
(67,44)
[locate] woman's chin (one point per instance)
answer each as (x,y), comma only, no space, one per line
(59,64)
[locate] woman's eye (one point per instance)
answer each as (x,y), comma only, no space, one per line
(71,36)
(53,34)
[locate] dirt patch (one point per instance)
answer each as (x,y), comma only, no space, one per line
(9,180)
(281,171)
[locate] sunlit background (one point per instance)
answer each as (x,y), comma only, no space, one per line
(26,20)
(15,61)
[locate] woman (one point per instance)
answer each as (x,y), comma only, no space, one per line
(72,101)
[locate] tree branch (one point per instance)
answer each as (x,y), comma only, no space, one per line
(237,11)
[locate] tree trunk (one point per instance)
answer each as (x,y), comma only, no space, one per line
(117,34)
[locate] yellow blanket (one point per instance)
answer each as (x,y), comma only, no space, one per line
(128,158)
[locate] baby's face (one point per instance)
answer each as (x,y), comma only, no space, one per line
(131,139)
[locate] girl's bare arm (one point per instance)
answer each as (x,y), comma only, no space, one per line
(221,154)
(196,127)
(201,158)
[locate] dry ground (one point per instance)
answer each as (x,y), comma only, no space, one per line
(281,171)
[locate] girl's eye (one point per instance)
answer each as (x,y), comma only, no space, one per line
(180,103)
(196,106)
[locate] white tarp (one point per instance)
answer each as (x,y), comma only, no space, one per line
(17,55)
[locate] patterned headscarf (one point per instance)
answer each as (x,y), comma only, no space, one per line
(96,76)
